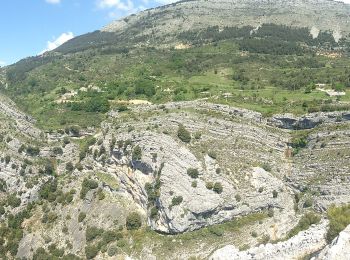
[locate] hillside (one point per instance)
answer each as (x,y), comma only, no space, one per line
(197,130)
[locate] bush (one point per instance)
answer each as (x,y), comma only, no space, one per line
(92,233)
(270,213)
(193,173)
(194,184)
(304,223)
(81,216)
(57,150)
(112,251)
(86,186)
(238,197)
(154,213)
(137,154)
(308,203)
(133,221)
(266,167)
(13,201)
(218,187)
(216,230)
(183,134)
(209,185)
(212,154)
(176,201)
(339,218)
(7,159)
(91,251)
(274,194)
(32,151)
(69,167)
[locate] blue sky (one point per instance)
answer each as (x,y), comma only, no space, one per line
(29,27)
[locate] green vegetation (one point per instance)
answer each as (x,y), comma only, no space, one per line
(273,70)
(183,134)
(304,223)
(212,154)
(137,153)
(108,179)
(176,201)
(86,186)
(339,218)
(133,221)
(193,173)
(218,187)
(81,216)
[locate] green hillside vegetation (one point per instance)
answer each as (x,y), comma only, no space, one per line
(272,70)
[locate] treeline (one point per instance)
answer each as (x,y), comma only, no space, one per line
(267,39)
(273,46)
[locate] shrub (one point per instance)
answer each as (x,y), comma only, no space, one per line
(183,134)
(261,189)
(304,223)
(154,213)
(57,150)
(133,221)
(308,203)
(109,236)
(270,213)
(32,151)
(198,135)
(193,173)
(2,210)
(92,233)
(212,154)
(81,216)
(339,218)
(86,186)
(7,159)
(209,185)
(194,184)
(91,251)
(69,166)
(254,234)
(238,197)
(218,187)
(274,194)
(137,154)
(266,167)
(13,201)
(176,201)
(48,168)
(112,251)
(216,230)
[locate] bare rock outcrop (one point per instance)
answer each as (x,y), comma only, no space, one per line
(303,244)
(339,249)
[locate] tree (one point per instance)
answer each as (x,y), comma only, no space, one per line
(183,134)
(218,187)
(133,221)
(137,153)
(193,173)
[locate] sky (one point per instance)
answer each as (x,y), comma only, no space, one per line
(31,27)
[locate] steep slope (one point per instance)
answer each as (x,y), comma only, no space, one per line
(165,24)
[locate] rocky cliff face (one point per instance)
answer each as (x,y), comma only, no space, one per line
(299,246)
(243,166)
(191,15)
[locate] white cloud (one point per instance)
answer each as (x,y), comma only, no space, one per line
(166,1)
(2,63)
(64,37)
(53,1)
(126,5)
